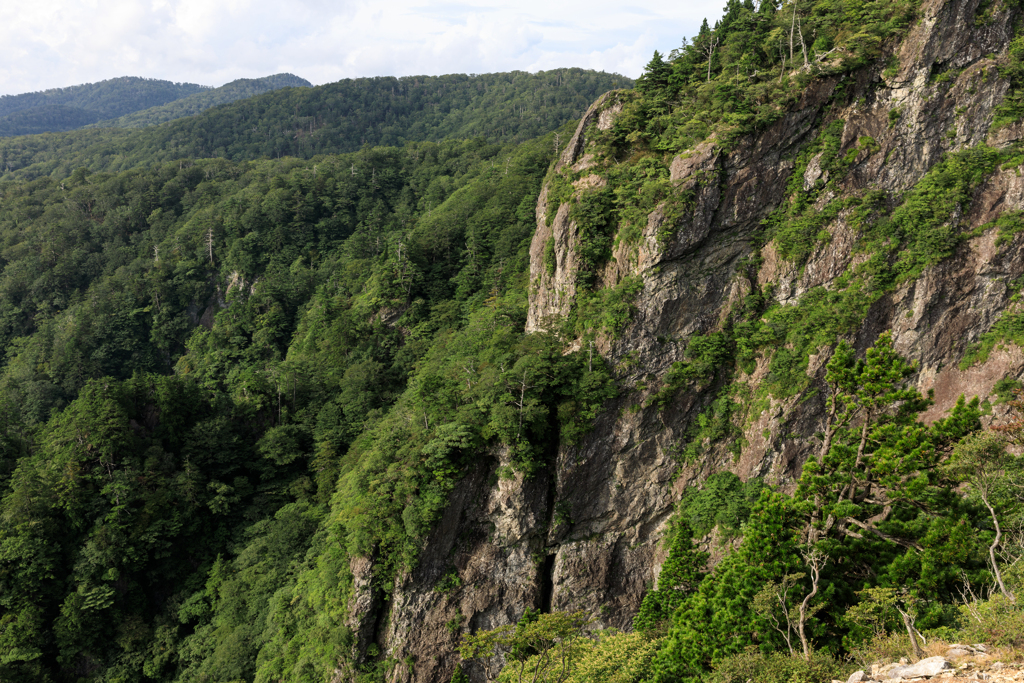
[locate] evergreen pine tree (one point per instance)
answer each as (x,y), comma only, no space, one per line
(718,620)
(655,76)
(681,574)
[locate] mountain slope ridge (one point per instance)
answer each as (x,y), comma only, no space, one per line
(329,119)
(196,103)
(96,101)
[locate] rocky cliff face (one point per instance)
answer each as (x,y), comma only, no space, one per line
(586,533)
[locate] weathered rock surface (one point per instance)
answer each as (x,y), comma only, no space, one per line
(586,533)
(976,665)
(926,668)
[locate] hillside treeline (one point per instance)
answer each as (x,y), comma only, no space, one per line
(329,119)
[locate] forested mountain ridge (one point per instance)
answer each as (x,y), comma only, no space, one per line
(60,109)
(227,342)
(691,368)
(110,98)
(203,100)
(329,119)
(124,103)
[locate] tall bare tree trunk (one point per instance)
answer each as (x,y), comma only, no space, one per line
(908,623)
(803,45)
(815,560)
(992,550)
(792,27)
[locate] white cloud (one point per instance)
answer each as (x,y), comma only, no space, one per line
(65,42)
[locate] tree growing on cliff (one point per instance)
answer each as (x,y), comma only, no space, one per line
(876,458)
(540,647)
(992,474)
(682,573)
(719,619)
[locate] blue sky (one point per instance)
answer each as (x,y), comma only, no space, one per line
(66,42)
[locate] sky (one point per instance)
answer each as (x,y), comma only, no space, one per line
(59,43)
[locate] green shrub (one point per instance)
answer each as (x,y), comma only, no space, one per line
(1011,108)
(778,668)
(611,657)
(881,648)
(997,621)
(705,353)
(550,261)
(1009,328)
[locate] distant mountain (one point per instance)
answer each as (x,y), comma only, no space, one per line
(205,99)
(61,109)
(329,119)
(45,119)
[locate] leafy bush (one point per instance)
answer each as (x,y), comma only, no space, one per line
(724,500)
(997,621)
(1011,109)
(1009,328)
(614,657)
(778,667)
(705,354)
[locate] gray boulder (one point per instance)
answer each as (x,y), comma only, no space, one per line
(926,668)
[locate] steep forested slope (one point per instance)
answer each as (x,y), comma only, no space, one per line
(729,365)
(201,352)
(62,109)
(333,118)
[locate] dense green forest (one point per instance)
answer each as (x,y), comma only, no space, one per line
(155,468)
(204,99)
(243,349)
(61,109)
(329,119)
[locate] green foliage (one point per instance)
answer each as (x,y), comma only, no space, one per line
(232,388)
(724,500)
(1008,224)
(1011,109)
(1009,328)
(610,657)
(718,619)
(883,499)
(798,226)
(736,77)
(922,223)
(607,310)
(361,348)
(541,646)
(705,354)
(778,667)
(713,425)
(550,260)
(680,575)
(997,620)
(1006,388)
(61,109)
(591,211)
(900,243)
(879,609)
(874,450)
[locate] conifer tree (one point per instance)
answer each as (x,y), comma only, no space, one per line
(719,619)
(655,76)
(680,576)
